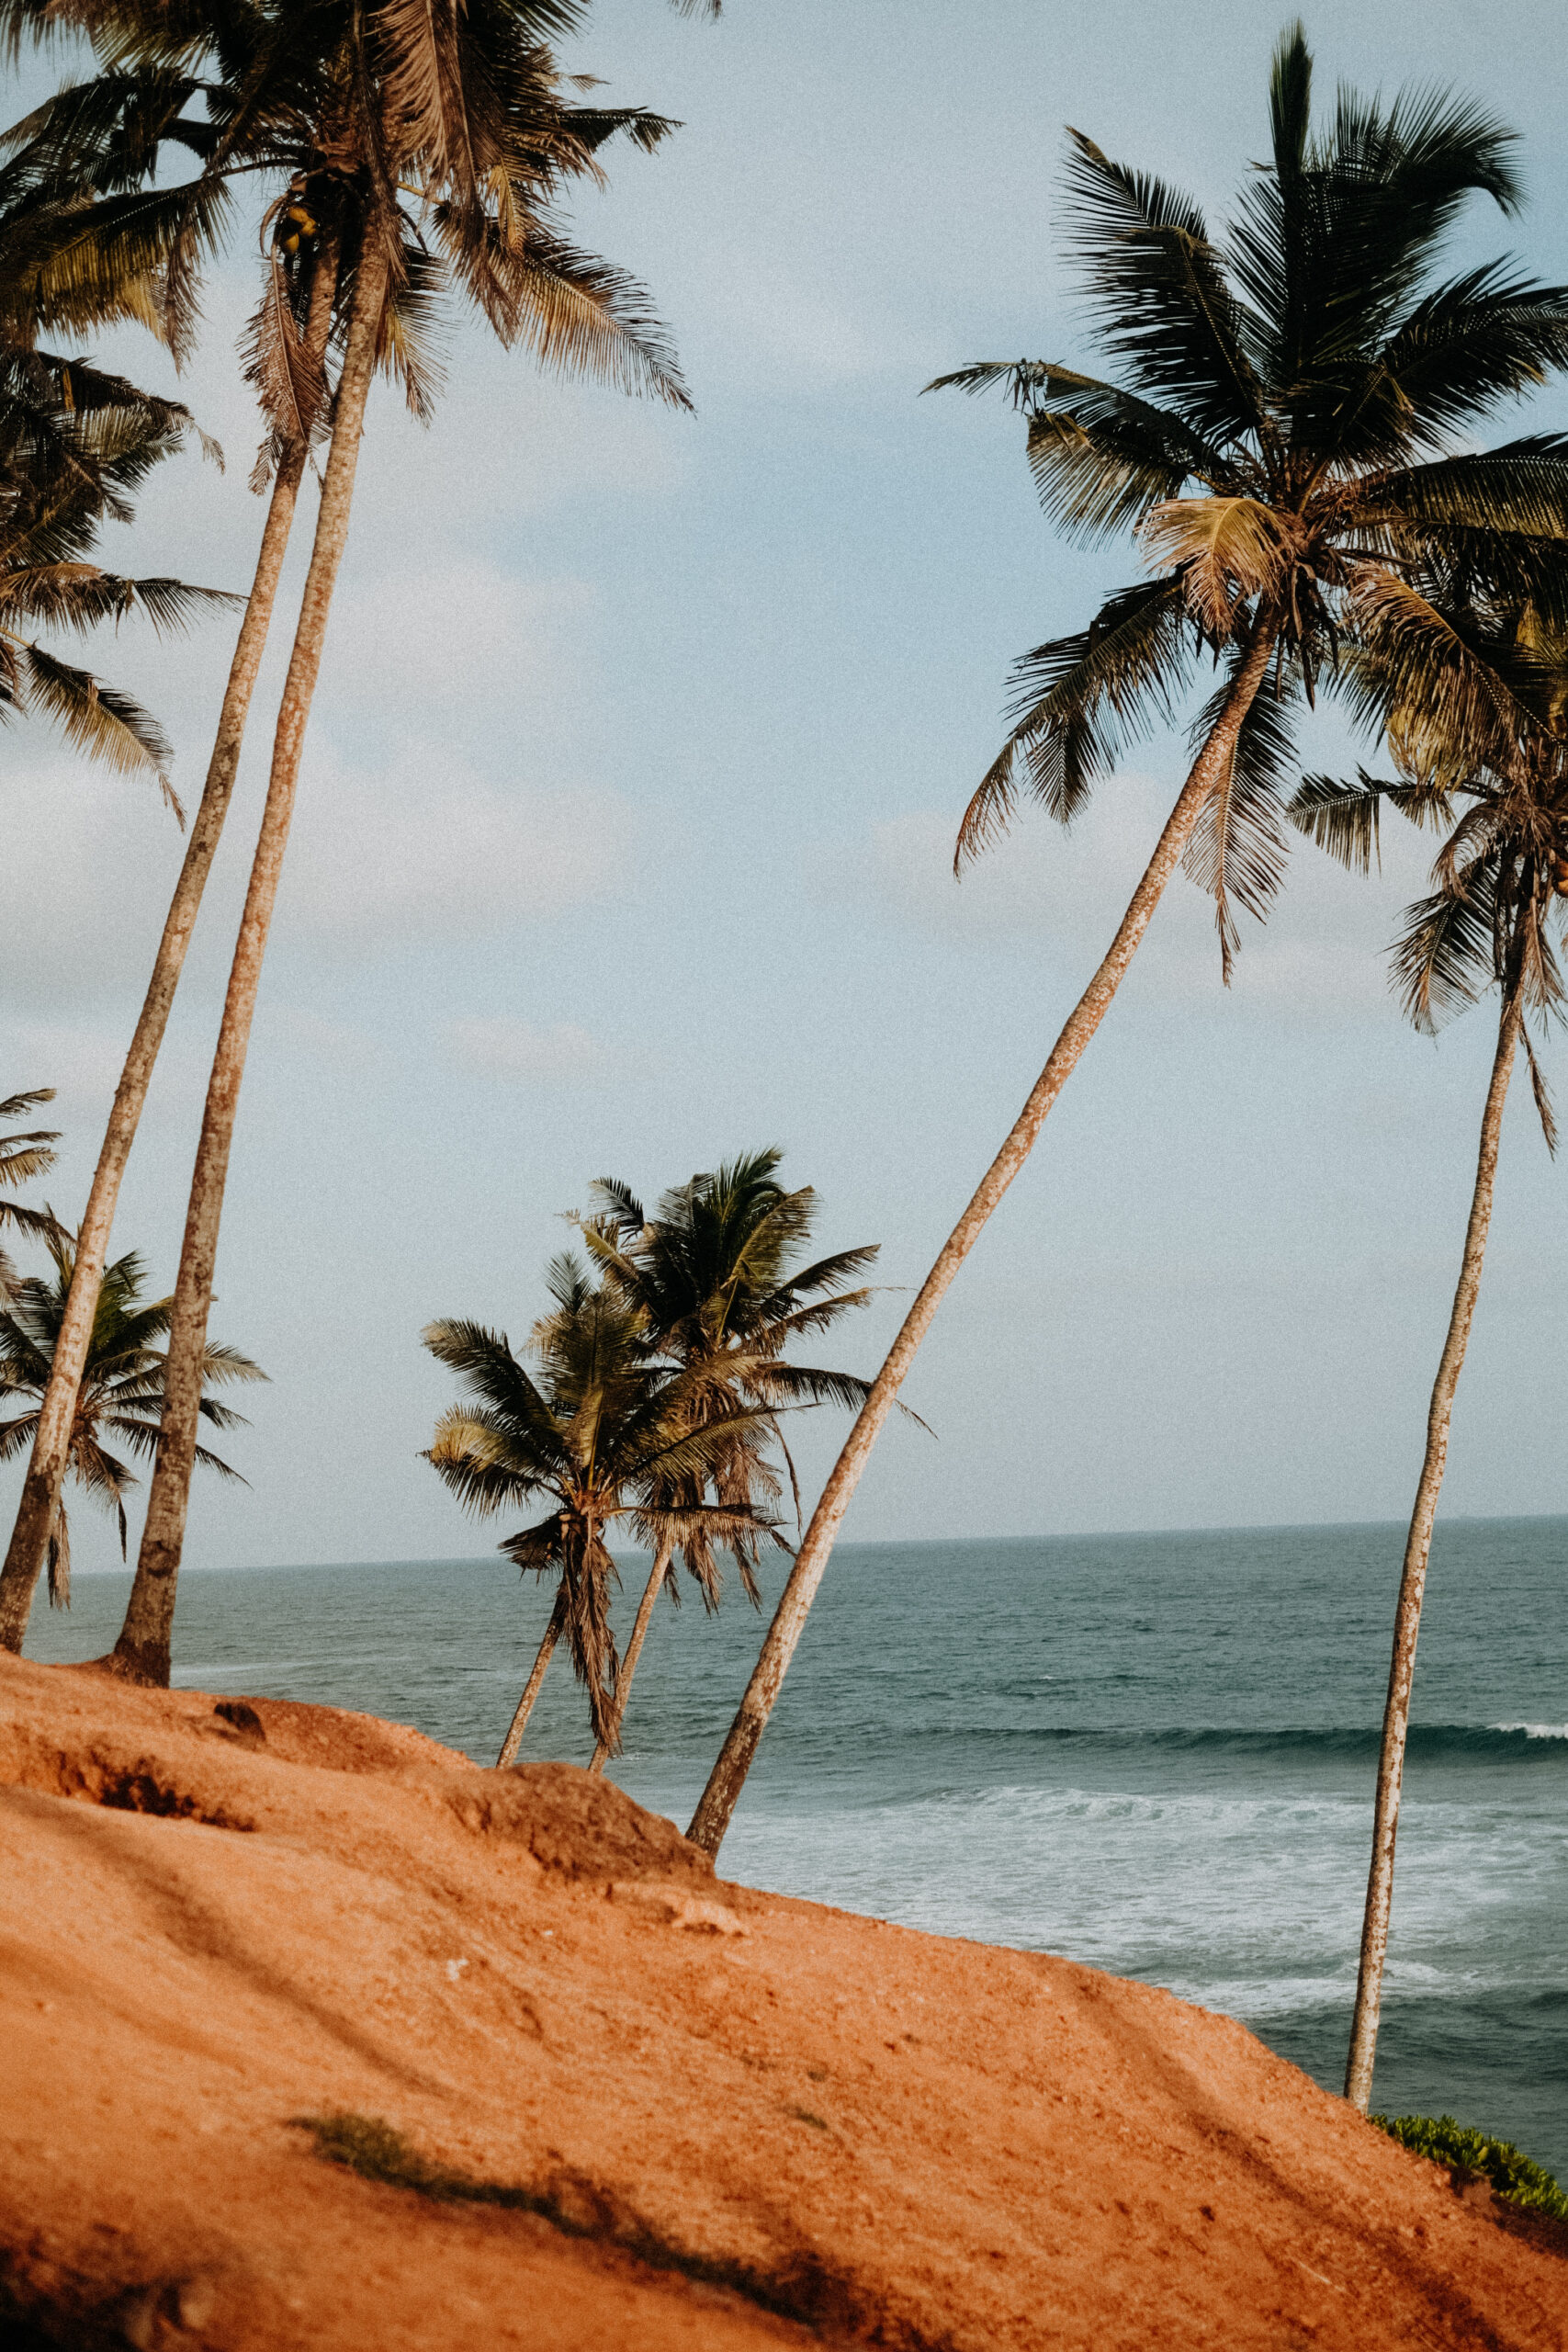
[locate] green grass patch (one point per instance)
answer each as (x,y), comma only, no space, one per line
(1513,2174)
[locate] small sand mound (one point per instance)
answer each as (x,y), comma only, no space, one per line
(441,2058)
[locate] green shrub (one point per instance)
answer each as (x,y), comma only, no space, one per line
(1512,2174)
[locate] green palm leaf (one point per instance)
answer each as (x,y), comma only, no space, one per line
(1079,701)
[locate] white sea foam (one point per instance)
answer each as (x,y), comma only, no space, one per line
(1534,1731)
(1251,1904)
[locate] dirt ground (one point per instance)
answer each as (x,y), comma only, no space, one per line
(738,2120)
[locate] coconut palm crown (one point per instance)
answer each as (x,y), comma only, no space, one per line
(714,1277)
(122,1388)
(447,135)
(1289,439)
(607,1433)
(76,442)
(1499,796)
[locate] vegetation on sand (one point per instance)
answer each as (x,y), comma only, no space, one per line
(1512,2174)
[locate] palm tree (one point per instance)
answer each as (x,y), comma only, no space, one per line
(419,151)
(81,257)
(1290,437)
(715,1279)
(122,1391)
(607,1433)
(23,1157)
(1500,877)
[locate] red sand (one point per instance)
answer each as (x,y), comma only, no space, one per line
(208,1930)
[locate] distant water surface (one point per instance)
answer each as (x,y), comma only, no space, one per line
(1155,1753)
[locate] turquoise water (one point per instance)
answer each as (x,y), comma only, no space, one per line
(1155,1753)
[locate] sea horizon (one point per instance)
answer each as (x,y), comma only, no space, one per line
(882,1542)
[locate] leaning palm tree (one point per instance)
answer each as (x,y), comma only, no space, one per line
(1289,435)
(715,1279)
(121,1394)
(466,110)
(25,1155)
(81,255)
(608,1434)
(1500,879)
(417,152)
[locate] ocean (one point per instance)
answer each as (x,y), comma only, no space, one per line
(1154,1753)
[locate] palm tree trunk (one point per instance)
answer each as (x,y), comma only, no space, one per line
(513,1740)
(634,1651)
(725,1782)
(142,1651)
(52,1444)
(1413,1577)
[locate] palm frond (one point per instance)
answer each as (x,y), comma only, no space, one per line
(1079,701)
(1444,958)
(1224,551)
(1237,850)
(1342,816)
(1102,459)
(1158,293)
(1540,1092)
(97,718)
(579,315)
(1521,486)
(1412,659)
(288,379)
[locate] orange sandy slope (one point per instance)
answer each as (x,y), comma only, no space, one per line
(207,1931)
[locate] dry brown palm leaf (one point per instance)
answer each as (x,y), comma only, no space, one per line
(1227,550)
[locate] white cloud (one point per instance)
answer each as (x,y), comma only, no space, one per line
(432,849)
(339,1044)
(410,639)
(90,859)
(522,1053)
(804,332)
(83,1064)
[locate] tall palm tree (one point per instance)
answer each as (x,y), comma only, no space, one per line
(607,1433)
(715,1279)
(1289,435)
(121,1394)
(25,1155)
(1500,879)
(89,251)
(418,152)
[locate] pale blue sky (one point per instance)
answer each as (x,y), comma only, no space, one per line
(624,829)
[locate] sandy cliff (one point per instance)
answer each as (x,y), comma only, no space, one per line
(738,2120)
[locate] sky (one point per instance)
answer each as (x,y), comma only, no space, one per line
(624,832)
